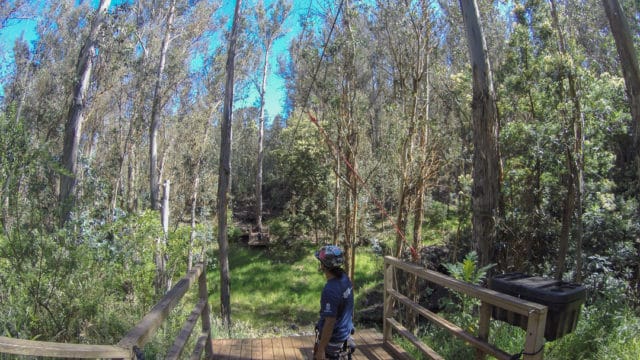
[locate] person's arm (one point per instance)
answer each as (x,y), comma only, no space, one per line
(325,336)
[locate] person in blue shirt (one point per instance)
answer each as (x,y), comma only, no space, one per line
(334,329)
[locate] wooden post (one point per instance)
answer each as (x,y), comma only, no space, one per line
(534,342)
(483,327)
(387,311)
(206,321)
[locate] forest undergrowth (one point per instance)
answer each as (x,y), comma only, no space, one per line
(92,286)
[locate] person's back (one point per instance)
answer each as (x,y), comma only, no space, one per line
(336,307)
(337,301)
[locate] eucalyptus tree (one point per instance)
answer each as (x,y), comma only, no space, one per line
(269,22)
(575,154)
(42,88)
(630,70)
(302,170)
(155,108)
(225,172)
(486,160)
(76,117)
(348,130)
(451,83)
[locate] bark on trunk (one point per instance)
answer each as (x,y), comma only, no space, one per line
(192,236)
(628,60)
(155,111)
(263,88)
(567,215)
(486,164)
(225,175)
(75,119)
(163,281)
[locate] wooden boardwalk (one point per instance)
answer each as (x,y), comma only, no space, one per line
(369,346)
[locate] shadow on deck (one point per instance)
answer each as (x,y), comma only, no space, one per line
(369,346)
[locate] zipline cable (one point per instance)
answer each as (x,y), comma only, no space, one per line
(324,48)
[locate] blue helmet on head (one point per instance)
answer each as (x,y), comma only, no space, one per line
(330,256)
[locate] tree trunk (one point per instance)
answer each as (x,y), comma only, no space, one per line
(401,218)
(192,236)
(132,199)
(336,198)
(631,72)
(348,99)
(567,215)
(194,200)
(225,175)
(263,88)
(163,281)
(628,60)
(486,164)
(122,159)
(576,163)
(75,120)
(155,111)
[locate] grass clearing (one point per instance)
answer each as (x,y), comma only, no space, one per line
(277,292)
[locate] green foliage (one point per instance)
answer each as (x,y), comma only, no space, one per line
(90,284)
(468,270)
(462,307)
(606,330)
(298,184)
(25,195)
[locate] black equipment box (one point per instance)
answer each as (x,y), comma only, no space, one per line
(563,300)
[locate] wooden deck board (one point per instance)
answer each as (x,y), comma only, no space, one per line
(368,341)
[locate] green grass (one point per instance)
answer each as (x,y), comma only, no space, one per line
(277,291)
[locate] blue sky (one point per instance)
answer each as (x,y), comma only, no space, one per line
(8,36)
(275,94)
(274,97)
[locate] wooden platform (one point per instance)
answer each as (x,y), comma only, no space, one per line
(369,346)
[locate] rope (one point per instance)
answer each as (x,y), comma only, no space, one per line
(414,253)
(518,355)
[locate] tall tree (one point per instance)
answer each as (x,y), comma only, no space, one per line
(225,173)
(76,117)
(486,157)
(575,163)
(155,109)
(270,21)
(631,72)
(628,61)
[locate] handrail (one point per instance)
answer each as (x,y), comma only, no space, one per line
(52,349)
(536,313)
(140,334)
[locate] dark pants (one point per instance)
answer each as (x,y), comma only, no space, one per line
(340,351)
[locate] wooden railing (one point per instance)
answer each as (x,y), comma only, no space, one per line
(536,313)
(140,334)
